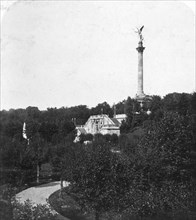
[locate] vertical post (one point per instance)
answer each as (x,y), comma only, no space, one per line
(37,172)
(114,111)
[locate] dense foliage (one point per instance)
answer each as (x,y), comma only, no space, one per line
(28,211)
(173,102)
(149,170)
(151,176)
(11,209)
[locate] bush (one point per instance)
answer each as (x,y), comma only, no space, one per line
(161,177)
(11,209)
(28,211)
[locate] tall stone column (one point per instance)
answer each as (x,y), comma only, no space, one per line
(140,91)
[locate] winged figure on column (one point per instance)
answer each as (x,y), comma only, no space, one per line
(139,32)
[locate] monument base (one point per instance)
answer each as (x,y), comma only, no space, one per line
(143,99)
(140,97)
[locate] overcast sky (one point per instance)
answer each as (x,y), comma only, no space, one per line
(67,53)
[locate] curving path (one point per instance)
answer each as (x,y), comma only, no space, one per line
(40,194)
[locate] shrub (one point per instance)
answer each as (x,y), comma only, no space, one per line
(28,211)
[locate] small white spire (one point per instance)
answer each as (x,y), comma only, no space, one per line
(24,132)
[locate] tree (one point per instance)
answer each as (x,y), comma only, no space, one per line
(120,107)
(184,104)
(156,108)
(47,130)
(65,128)
(177,102)
(32,128)
(129,142)
(85,137)
(17,161)
(33,112)
(124,128)
(114,139)
(93,177)
(193,126)
(162,175)
(11,209)
(29,211)
(193,103)
(63,157)
(102,108)
(12,128)
(131,107)
(170,102)
(38,151)
(79,113)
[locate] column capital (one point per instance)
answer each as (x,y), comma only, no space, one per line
(140,47)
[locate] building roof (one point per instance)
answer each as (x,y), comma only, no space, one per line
(116,122)
(109,127)
(98,116)
(82,130)
(120,116)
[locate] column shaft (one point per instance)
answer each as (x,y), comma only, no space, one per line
(140,89)
(140,73)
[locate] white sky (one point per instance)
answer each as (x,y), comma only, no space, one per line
(66,53)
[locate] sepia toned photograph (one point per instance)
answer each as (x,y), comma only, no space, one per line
(97,110)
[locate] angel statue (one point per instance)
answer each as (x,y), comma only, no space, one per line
(139,32)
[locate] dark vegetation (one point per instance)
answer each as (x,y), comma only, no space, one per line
(11,209)
(147,172)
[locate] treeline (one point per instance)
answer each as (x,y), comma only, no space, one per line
(154,108)
(152,176)
(45,130)
(54,126)
(150,173)
(149,179)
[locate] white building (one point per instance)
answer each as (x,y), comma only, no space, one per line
(121,117)
(102,124)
